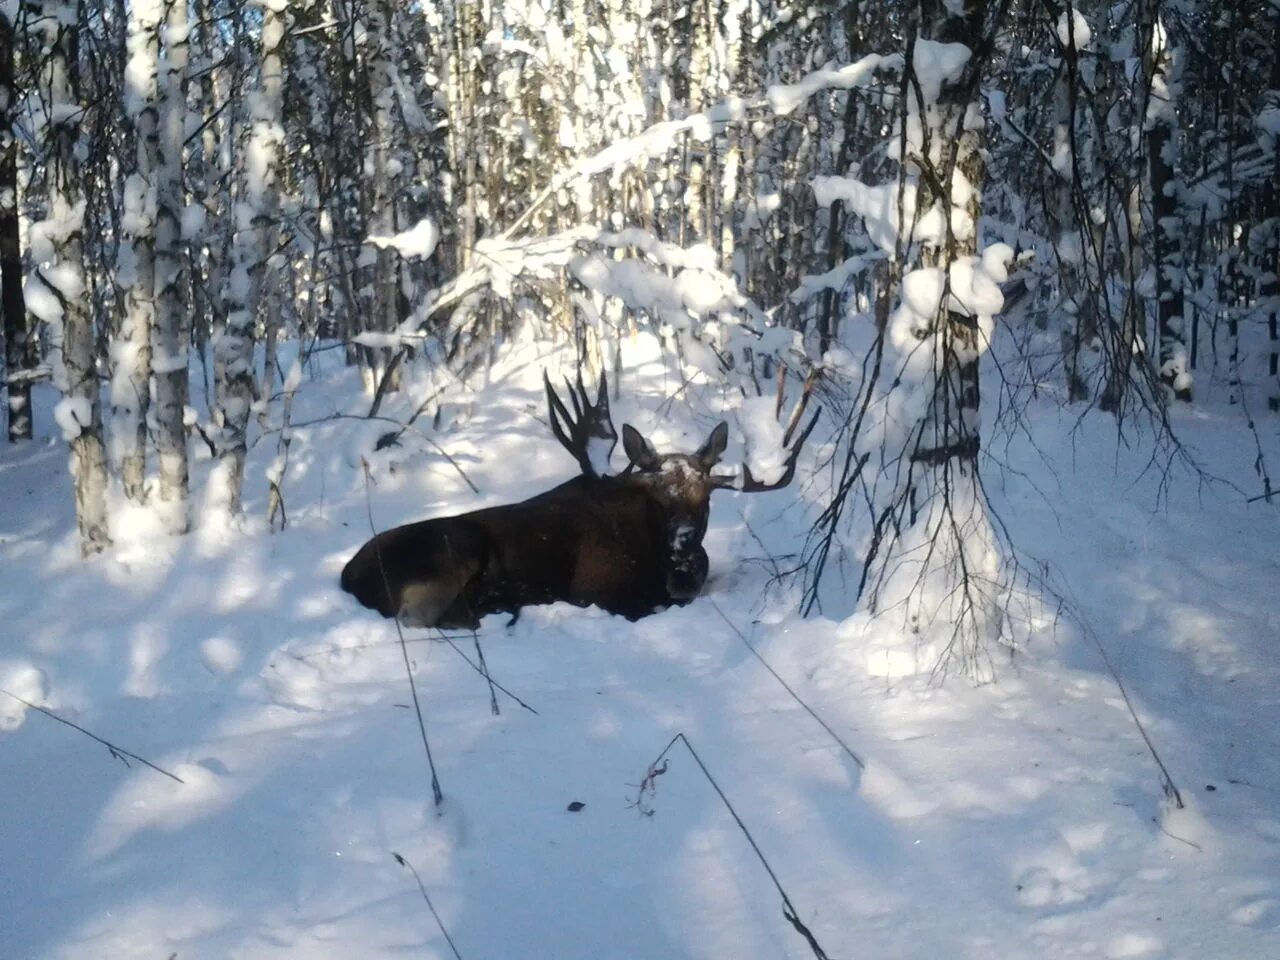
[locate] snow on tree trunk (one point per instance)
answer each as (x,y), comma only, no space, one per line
(949,589)
(55,291)
(135,269)
(1166,223)
(1128,347)
(1071,246)
(254,215)
(934,560)
(19,352)
(171,333)
(380,168)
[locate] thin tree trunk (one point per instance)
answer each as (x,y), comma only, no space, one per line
(951,431)
(135,270)
(61,253)
(1269,249)
(1166,225)
(234,349)
(19,355)
(171,334)
(382,214)
(1079,324)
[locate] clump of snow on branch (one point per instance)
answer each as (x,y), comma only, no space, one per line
(72,414)
(418,242)
(697,289)
(53,283)
(675,285)
(785,99)
(879,208)
(1074,30)
(762,435)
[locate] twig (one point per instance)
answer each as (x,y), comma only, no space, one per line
(484,672)
(1166,779)
(430,906)
(120,753)
(1072,609)
(436,792)
(788,908)
(442,636)
(787,687)
(328,418)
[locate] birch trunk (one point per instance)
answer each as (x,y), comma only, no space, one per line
(135,267)
(951,430)
(253,216)
(171,334)
(57,244)
(378,165)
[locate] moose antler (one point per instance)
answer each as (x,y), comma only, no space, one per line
(792,444)
(588,434)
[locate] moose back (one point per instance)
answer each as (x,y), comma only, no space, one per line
(630,543)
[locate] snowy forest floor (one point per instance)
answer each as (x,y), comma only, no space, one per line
(1021,819)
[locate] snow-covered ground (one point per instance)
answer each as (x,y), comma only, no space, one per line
(1022,819)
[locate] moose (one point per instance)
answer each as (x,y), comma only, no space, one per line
(630,543)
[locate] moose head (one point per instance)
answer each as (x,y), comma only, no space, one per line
(630,543)
(680,484)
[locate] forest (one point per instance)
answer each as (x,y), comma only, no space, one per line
(969,647)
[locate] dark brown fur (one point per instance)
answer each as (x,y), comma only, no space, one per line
(629,544)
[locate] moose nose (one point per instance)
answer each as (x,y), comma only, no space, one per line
(687,575)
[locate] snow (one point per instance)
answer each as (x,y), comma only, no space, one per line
(879,208)
(23,681)
(1074,31)
(40,299)
(193,221)
(1023,819)
(762,435)
(169,363)
(936,64)
(377,339)
(418,242)
(785,99)
(72,414)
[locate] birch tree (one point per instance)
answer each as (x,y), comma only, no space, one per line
(933,558)
(254,215)
(380,295)
(131,348)
(172,328)
(56,287)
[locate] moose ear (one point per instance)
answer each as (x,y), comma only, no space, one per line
(639,450)
(711,451)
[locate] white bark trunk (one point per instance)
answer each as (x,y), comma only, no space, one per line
(57,244)
(135,269)
(171,334)
(253,216)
